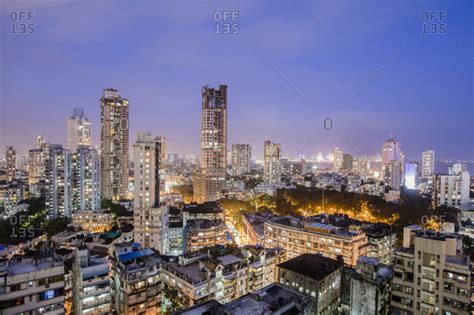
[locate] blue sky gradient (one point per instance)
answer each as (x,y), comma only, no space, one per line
(327,50)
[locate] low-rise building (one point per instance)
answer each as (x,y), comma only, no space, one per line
(272,299)
(200,233)
(136,285)
(91,284)
(370,288)
(316,276)
(210,210)
(253,228)
(32,284)
(298,236)
(93,221)
(381,242)
(220,273)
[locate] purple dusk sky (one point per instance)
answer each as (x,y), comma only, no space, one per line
(370,66)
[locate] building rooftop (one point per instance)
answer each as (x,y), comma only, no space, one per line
(229,259)
(206,207)
(314,266)
(135,254)
(203,223)
(30,263)
(319,226)
(269,300)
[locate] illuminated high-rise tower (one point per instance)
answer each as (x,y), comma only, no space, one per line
(271,163)
(10,157)
(78,130)
(338,159)
(427,163)
(85,179)
(114,145)
(150,220)
(58,174)
(209,180)
(241,155)
(393,166)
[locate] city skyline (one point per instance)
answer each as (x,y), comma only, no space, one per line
(315,77)
(237,157)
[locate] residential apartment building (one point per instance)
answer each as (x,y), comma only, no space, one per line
(370,288)
(210,179)
(208,210)
(338,159)
(201,233)
(452,190)
(393,165)
(241,155)
(85,179)
(298,237)
(316,276)
(272,299)
(10,158)
(271,163)
(58,174)
(430,275)
(150,220)
(428,164)
(114,141)
(32,284)
(223,274)
(91,284)
(136,284)
(78,130)
(381,242)
(93,221)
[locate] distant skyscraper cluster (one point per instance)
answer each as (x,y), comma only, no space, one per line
(72,176)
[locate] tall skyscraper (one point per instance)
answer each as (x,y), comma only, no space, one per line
(338,159)
(241,155)
(163,160)
(78,130)
(58,173)
(271,163)
(427,163)
(85,179)
(10,158)
(210,179)
(150,220)
(393,163)
(114,145)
